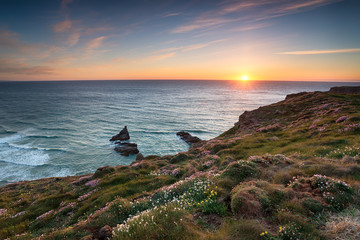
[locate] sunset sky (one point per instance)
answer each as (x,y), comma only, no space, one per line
(183,39)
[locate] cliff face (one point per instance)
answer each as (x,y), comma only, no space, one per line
(293,164)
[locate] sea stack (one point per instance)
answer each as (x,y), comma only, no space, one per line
(122,136)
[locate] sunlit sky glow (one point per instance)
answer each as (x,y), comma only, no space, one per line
(183,39)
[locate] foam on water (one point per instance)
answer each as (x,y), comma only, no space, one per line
(21,154)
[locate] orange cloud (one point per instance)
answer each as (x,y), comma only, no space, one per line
(95,43)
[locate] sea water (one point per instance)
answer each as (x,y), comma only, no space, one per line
(63,128)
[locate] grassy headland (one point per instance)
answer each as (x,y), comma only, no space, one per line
(289,170)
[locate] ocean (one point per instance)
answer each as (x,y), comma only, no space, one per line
(61,128)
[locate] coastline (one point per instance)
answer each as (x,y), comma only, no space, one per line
(275,149)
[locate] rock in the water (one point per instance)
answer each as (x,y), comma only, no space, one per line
(188,138)
(139,157)
(126,149)
(122,136)
(105,232)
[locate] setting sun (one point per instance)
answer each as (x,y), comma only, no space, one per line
(244,78)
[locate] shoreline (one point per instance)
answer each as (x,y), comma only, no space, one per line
(270,165)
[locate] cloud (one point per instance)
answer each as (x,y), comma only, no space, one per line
(171,14)
(17,66)
(73,38)
(201,23)
(202,45)
(161,56)
(251,27)
(95,43)
(9,40)
(304,4)
(191,47)
(63,26)
(312,52)
(244,12)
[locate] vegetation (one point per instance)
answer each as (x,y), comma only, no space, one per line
(289,170)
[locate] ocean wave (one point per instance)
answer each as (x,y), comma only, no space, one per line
(10,173)
(12,138)
(21,154)
(24,156)
(30,147)
(41,136)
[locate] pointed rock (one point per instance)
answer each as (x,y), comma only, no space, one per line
(122,136)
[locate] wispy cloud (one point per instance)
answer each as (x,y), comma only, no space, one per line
(160,56)
(171,14)
(63,26)
(200,24)
(9,40)
(191,47)
(244,11)
(73,38)
(95,43)
(251,27)
(305,4)
(18,67)
(312,52)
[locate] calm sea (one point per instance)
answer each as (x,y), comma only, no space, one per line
(63,128)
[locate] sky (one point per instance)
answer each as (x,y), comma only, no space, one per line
(303,40)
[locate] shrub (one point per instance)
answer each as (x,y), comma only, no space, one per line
(245,200)
(290,232)
(240,170)
(335,192)
(313,206)
(346,151)
(166,222)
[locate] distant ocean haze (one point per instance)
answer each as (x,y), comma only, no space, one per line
(63,128)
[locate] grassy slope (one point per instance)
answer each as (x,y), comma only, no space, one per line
(298,137)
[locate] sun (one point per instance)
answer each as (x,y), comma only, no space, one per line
(244,78)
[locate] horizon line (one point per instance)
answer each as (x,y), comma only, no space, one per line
(234,80)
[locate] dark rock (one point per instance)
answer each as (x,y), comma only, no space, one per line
(105,232)
(188,138)
(122,136)
(139,157)
(346,90)
(126,149)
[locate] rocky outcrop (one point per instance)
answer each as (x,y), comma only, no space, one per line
(126,149)
(188,138)
(122,136)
